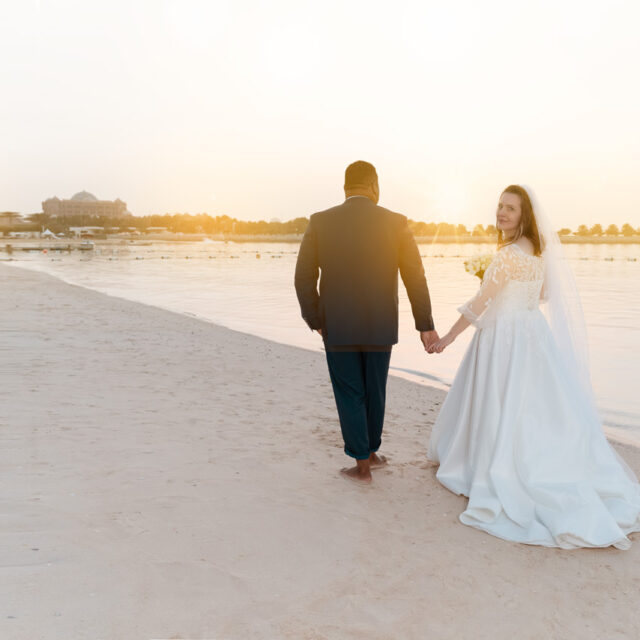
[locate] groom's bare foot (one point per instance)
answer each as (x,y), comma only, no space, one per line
(376,461)
(360,473)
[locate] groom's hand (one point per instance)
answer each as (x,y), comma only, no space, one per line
(429,338)
(442,344)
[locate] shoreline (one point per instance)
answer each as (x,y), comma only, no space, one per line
(614,433)
(186,476)
(74,243)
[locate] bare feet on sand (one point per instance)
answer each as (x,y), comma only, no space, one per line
(361,473)
(376,461)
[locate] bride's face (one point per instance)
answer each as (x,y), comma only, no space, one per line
(508,213)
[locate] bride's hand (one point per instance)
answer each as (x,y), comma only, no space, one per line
(442,344)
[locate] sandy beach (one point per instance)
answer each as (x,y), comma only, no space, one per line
(164,477)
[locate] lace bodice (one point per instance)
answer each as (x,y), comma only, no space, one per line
(513,282)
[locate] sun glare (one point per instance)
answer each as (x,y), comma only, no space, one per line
(197,24)
(292,53)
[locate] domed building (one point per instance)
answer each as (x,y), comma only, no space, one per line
(84,203)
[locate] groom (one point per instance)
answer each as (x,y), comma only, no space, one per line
(359,247)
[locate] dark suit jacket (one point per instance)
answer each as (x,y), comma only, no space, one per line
(359,247)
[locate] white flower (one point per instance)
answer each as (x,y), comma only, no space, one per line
(478,264)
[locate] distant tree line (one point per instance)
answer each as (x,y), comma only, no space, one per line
(434,229)
(176,223)
(597,230)
(446,229)
(213,225)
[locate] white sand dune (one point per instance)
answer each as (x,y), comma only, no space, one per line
(163,477)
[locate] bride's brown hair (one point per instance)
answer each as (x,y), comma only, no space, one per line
(528,226)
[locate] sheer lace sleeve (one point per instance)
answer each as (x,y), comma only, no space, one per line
(544,292)
(495,278)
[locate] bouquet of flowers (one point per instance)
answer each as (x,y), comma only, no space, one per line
(477,265)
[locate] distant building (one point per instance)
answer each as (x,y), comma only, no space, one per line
(11,219)
(23,234)
(84,232)
(84,203)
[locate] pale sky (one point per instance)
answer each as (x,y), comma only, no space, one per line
(254,108)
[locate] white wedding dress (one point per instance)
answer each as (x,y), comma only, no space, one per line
(518,435)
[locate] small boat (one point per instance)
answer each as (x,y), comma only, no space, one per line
(87,245)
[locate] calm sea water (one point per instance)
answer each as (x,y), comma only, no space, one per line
(249,287)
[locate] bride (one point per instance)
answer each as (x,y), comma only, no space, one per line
(518,433)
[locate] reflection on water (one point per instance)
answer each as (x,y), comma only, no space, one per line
(249,287)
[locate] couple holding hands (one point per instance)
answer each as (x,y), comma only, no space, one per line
(518,433)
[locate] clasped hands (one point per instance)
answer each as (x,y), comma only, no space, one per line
(433,343)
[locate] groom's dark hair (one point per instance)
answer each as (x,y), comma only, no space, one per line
(360,174)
